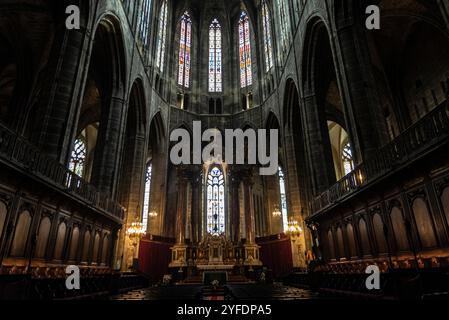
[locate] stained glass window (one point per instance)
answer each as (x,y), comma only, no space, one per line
(161,36)
(283,199)
(185,45)
(144,23)
(284,23)
(146,198)
(268,43)
(348,159)
(246,76)
(77,162)
(215,63)
(215,201)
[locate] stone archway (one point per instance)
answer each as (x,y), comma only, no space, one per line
(103,103)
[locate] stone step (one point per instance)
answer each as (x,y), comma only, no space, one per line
(237,279)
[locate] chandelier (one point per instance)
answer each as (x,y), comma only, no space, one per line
(136,230)
(277,212)
(152,214)
(294,229)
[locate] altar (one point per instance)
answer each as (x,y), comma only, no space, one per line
(219,276)
(209,236)
(217,267)
(215,253)
(215,250)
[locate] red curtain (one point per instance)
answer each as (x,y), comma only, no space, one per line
(154,258)
(276,255)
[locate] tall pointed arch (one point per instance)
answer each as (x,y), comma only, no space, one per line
(156,166)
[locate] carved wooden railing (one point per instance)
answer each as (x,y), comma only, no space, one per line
(18,151)
(422,136)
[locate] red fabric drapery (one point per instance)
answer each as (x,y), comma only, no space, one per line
(276,254)
(154,258)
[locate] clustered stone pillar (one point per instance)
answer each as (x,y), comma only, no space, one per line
(62,80)
(444,6)
(249,209)
(130,195)
(318,142)
(196,182)
(179,250)
(235,206)
(181,207)
(106,155)
(364,114)
(251,248)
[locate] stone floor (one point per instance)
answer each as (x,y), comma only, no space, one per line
(271,292)
(234,292)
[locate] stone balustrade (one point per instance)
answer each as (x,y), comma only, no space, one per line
(409,146)
(16,151)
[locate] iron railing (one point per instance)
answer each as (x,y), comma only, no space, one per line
(18,151)
(420,137)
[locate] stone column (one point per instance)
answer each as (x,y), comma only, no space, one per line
(61,92)
(364,115)
(444,7)
(249,208)
(196,181)
(318,144)
(235,206)
(104,173)
(181,206)
(131,187)
(251,248)
(179,250)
